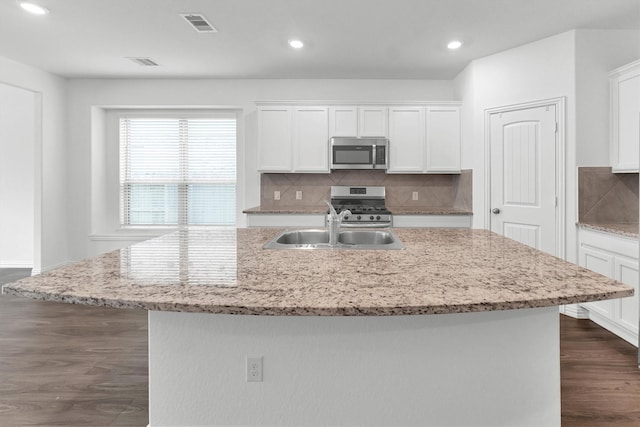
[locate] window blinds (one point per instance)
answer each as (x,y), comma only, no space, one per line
(177,171)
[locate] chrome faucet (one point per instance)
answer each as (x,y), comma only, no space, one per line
(334,220)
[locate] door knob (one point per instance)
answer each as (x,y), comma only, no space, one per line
(495,210)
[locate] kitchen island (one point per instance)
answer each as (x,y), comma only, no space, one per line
(346,337)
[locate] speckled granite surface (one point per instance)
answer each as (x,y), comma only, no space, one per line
(395,210)
(287,210)
(227,271)
(405,210)
(621,229)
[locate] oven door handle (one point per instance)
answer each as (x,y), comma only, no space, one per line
(366,225)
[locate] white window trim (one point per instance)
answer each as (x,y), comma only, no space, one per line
(105,215)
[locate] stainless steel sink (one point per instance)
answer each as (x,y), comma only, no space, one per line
(351,239)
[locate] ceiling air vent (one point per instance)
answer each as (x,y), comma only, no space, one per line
(199,22)
(147,62)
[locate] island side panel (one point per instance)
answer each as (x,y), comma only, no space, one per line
(489,368)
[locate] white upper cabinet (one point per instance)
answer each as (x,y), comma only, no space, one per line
(357,121)
(443,139)
(274,139)
(625,117)
(372,121)
(311,138)
(424,139)
(406,139)
(293,139)
(343,121)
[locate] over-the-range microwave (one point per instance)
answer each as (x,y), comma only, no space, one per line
(359,153)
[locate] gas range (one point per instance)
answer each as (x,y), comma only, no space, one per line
(366,204)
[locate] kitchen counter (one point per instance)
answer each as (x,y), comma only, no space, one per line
(621,229)
(287,210)
(395,210)
(226,271)
(425,210)
(336,331)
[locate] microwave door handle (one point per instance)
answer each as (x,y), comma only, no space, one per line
(373,153)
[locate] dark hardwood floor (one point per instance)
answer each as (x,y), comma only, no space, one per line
(69,365)
(600,376)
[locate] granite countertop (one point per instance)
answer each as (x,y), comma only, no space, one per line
(222,270)
(621,229)
(395,210)
(425,210)
(287,210)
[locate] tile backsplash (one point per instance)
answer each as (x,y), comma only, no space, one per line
(451,191)
(607,198)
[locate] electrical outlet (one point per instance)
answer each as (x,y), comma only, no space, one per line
(276,195)
(298,195)
(254,369)
(414,196)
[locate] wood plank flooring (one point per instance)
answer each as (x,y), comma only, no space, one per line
(600,376)
(69,365)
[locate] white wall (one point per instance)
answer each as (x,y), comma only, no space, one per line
(50,157)
(536,71)
(597,53)
(17,171)
(85,95)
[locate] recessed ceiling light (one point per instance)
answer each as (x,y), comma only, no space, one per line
(34,8)
(455,44)
(296,44)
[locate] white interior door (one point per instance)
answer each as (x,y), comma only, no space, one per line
(17,177)
(523,176)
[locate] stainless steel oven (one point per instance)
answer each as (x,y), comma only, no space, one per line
(366,204)
(359,153)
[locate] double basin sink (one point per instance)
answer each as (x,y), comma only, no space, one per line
(347,239)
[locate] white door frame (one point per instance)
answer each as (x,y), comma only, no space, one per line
(559,103)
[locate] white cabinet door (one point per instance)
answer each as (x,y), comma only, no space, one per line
(363,121)
(626,271)
(274,139)
(343,121)
(406,139)
(600,262)
(615,257)
(372,121)
(311,139)
(625,118)
(443,139)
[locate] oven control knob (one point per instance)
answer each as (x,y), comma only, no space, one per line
(378,217)
(371,217)
(346,217)
(359,217)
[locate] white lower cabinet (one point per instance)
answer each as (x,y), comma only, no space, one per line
(615,257)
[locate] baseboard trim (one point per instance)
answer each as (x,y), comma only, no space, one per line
(19,264)
(614,328)
(574,310)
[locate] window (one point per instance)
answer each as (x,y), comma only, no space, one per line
(177,171)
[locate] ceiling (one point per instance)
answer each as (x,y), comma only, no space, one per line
(399,39)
